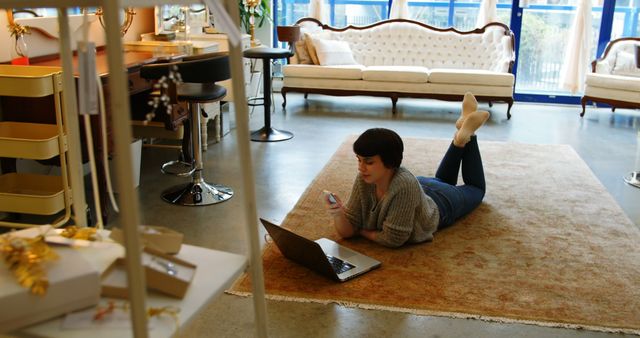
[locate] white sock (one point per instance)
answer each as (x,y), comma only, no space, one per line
(469,105)
(472,123)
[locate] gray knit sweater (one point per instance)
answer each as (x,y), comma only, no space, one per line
(404,215)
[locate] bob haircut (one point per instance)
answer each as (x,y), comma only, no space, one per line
(383,142)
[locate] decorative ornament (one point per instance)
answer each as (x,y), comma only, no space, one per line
(26,257)
(171,311)
(167,87)
(101,311)
(17,29)
(128,19)
(75,232)
(252,5)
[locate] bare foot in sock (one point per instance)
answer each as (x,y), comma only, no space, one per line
(472,123)
(469,105)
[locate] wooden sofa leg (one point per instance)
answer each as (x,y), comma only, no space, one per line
(394,100)
(510,103)
(284,97)
(306,95)
(583,102)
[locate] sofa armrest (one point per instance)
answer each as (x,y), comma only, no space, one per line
(606,63)
(602,66)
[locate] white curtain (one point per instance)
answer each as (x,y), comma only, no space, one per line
(577,54)
(399,10)
(316,9)
(488,13)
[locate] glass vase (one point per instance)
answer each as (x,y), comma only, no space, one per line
(20,51)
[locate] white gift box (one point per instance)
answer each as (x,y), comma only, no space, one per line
(74,284)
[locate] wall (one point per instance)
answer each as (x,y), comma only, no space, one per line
(39,44)
(143,22)
(265,33)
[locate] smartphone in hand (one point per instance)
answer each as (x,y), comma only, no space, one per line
(331,197)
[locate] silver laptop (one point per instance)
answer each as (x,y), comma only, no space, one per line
(323,255)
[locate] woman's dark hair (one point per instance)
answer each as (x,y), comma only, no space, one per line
(383,142)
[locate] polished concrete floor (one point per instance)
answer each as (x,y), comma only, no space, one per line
(607,142)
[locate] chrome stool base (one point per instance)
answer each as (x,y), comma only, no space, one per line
(178,168)
(197,193)
(633,179)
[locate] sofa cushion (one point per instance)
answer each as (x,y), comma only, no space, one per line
(471,76)
(625,64)
(396,74)
(398,87)
(308,40)
(302,53)
(612,94)
(333,52)
(614,82)
(410,44)
(343,72)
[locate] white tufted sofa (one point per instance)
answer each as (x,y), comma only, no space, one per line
(615,77)
(404,58)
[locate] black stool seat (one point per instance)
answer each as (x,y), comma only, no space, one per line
(200,92)
(267,53)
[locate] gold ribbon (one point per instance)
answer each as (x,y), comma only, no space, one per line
(170,311)
(17,29)
(75,232)
(25,257)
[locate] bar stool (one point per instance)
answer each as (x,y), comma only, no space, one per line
(199,76)
(267,133)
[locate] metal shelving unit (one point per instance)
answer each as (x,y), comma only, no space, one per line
(31,193)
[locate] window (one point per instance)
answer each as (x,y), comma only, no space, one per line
(541,30)
(625,19)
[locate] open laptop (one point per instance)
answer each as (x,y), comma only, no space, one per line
(323,255)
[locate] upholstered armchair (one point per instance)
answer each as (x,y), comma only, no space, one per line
(615,77)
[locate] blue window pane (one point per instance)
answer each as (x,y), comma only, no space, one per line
(625,19)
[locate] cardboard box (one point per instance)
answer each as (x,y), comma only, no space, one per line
(164,273)
(114,281)
(158,238)
(73,284)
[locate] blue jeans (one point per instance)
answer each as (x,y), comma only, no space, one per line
(455,201)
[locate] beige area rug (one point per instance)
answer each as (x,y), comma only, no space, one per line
(549,246)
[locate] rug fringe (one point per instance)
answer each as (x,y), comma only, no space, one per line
(458,315)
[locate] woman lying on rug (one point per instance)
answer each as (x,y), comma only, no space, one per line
(390,206)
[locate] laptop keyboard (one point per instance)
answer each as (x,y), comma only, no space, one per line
(339,266)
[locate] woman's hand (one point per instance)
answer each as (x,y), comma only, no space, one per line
(333,204)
